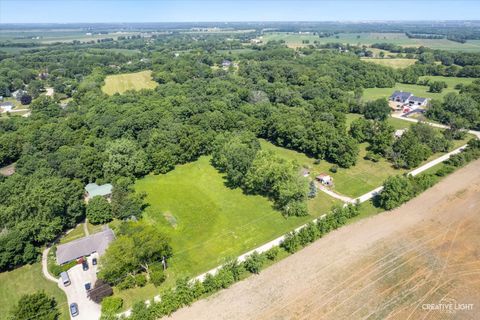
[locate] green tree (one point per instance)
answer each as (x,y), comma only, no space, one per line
(124,159)
(99,210)
(396,190)
(377,109)
(437,86)
(136,248)
(36,306)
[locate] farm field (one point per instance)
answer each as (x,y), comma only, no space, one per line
(208,222)
(418,90)
(424,252)
(397,63)
(119,83)
(295,40)
(28,279)
(56,35)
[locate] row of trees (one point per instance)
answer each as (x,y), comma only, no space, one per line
(399,189)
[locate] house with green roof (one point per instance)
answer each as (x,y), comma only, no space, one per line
(93,190)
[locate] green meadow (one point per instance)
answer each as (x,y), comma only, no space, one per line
(119,83)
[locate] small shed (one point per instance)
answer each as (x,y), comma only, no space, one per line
(93,190)
(226,63)
(6,106)
(325,179)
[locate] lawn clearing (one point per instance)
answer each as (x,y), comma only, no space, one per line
(128,81)
(212,221)
(353,182)
(75,234)
(397,63)
(26,280)
(421,91)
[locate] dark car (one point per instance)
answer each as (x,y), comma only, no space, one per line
(88,286)
(94,261)
(85,265)
(74,309)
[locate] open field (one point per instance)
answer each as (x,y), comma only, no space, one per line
(28,279)
(56,35)
(295,40)
(366,175)
(128,81)
(385,267)
(397,63)
(421,91)
(208,222)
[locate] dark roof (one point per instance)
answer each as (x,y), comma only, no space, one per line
(401,94)
(97,242)
(417,99)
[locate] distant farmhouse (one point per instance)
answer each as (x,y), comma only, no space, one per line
(226,63)
(408,101)
(95,243)
(93,190)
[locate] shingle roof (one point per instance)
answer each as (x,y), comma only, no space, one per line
(401,94)
(417,99)
(85,246)
(94,189)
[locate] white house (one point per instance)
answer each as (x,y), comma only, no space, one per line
(325,179)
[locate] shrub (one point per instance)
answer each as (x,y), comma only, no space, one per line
(157,276)
(140,280)
(254,262)
(272,253)
(127,283)
(334,168)
(445,170)
(290,243)
(111,304)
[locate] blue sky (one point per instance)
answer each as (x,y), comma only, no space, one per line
(20,11)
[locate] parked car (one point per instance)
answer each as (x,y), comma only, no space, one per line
(74,309)
(85,265)
(88,286)
(94,261)
(65,278)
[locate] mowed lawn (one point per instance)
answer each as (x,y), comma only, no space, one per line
(128,81)
(397,63)
(26,280)
(208,222)
(421,91)
(353,182)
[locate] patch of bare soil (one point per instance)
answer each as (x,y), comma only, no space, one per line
(420,261)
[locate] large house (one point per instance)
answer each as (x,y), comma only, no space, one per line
(408,98)
(95,243)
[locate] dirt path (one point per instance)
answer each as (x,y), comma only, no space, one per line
(395,265)
(47,274)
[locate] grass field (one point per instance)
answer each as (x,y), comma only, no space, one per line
(128,81)
(365,175)
(421,91)
(27,279)
(295,40)
(208,222)
(353,182)
(396,63)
